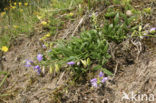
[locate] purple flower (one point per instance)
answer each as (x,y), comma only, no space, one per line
(39,57)
(38,69)
(71,63)
(152,30)
(101,74)
(100,79)
(145,33)
(44,46)
(28,63)
(104,79)
(94,82)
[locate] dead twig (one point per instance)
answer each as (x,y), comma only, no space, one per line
(138,46)
(80,22)
(60,78)
(116,68)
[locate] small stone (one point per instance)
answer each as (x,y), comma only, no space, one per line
(129,13)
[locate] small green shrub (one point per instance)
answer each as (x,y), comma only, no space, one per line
(91,47)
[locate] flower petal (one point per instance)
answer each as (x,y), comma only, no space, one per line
(71,63)
(39,57)
(104,79)
(101,74)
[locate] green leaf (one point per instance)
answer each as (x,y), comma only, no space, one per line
(97,67)
(116,19)
(88,61)
(110,14)
(106,71)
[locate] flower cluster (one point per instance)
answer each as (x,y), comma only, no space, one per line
(152,31)
(99,80)
(29,63)
(145,33)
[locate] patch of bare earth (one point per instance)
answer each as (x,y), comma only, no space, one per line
(23,85)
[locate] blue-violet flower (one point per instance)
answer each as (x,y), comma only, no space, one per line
(71,63)
(28,63)
(38,69)
(39,57)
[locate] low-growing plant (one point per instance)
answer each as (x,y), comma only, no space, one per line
(91,47)
(119,26)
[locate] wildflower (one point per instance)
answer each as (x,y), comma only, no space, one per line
(71,14)
(5,9)
(101,74)
(44,23)
(13,7)
(44,46)
(3,13)
(152,30)
(19,3)
(104,79)
(38,69)
(26,4)
(39,57)
(15,3)
(21,10)
(43,38)
(47,35)
(71,63)
(145,33)
(4,48)
(147,10)
(28,63)
(97,81)
(15,26)
(94,82)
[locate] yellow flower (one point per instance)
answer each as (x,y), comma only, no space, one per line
(13,7)
(44,23)
(4,48)
(71,14)
(47,35)
(3,13)
(26,4)
(5,9)
(15,26)
(43,38)
(21,10)
(15,3)
(147,10)
(19,3)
